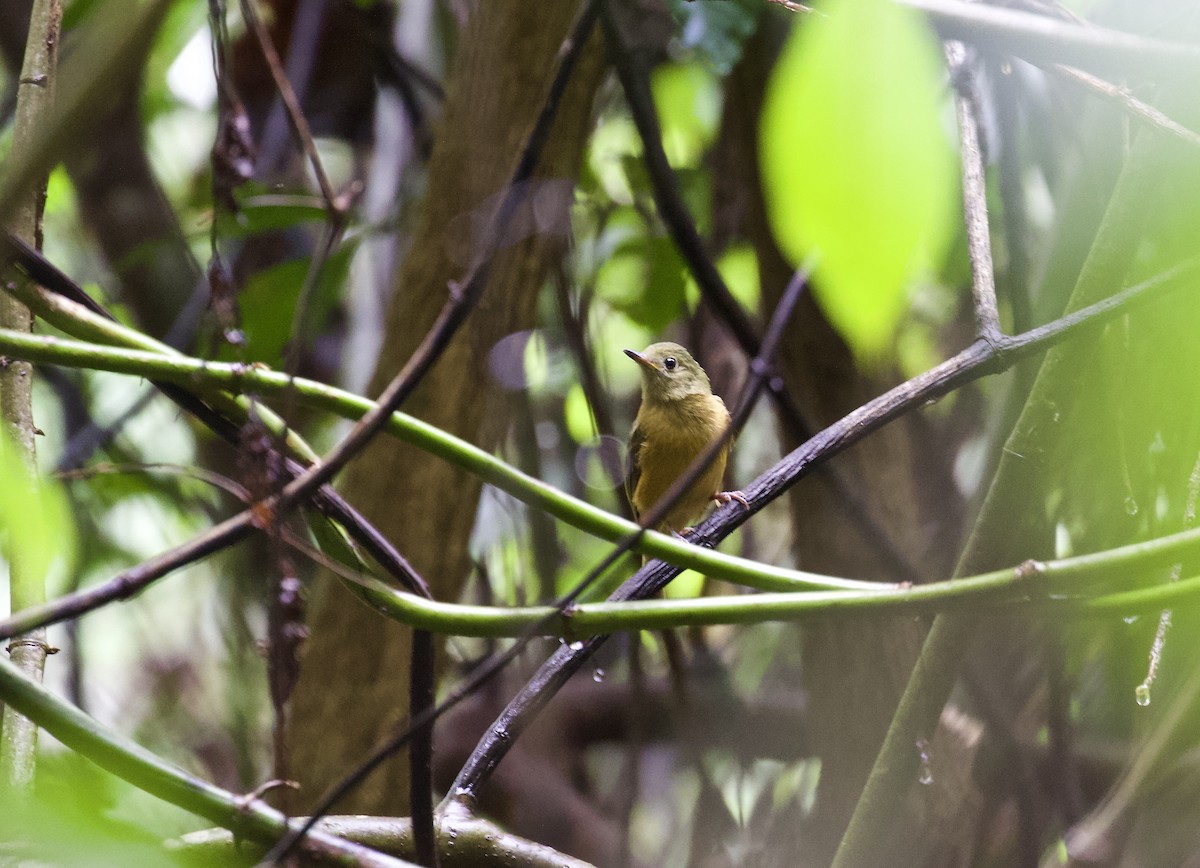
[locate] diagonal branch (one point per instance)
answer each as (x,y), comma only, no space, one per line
(975,361)
(974,191)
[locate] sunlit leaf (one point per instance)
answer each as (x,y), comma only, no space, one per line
(856,164)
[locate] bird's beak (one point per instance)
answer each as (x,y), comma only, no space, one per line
(641,360)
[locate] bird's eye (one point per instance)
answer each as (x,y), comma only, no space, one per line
(669,363)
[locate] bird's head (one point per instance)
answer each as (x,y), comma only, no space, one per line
(669,373)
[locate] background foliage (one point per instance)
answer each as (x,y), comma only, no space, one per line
(1042,730)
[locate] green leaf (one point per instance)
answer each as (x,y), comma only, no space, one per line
(577,414)
(856,165)
(35,524)
(268,305)
(644,279)
(688,100)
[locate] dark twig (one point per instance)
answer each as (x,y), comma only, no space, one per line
(295,115)
(682,228)
(303,39)
(974,191)
(575,328)
(420,753)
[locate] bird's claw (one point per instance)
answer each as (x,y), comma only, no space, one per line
(731,496)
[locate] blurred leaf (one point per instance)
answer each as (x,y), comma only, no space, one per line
(644,279)
(738,266)
(262,210)
(180,24)
(35,523)
(688,100)
(855,162)
(82,815)
(609,153)
(578,415)
(687,585)
(716,30)
(268,304)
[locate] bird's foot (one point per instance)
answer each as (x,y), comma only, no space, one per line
(730,497)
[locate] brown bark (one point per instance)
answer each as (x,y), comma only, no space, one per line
(354,683)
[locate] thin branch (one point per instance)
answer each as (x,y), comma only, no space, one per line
(791,6)
(974,191)
(27,582)
(296,119)
(1039,39)
(1123,97)
(1045,41)
(421,698)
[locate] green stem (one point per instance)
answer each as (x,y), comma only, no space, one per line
(27,585)
(133,763)
(840,597)
(211,376)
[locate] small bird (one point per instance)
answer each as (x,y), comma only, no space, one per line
(679,417)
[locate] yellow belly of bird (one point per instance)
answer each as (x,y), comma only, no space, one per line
(671,443)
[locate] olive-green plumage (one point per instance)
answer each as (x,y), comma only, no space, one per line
(678,418)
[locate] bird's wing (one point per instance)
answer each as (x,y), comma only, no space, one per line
(633,464)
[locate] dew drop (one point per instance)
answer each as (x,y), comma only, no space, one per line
(1142,694)
(576,646)
(597,674)
(925,773)
(1131,507)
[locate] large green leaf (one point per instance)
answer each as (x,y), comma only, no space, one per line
(856,162)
